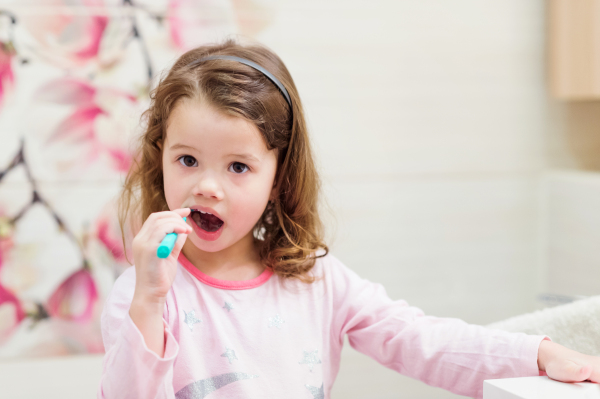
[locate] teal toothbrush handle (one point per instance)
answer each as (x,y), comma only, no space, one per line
(166,245)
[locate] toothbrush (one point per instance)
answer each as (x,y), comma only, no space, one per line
(166,245)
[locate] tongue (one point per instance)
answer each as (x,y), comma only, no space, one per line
(207,222)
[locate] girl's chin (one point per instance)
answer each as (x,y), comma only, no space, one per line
(207,246)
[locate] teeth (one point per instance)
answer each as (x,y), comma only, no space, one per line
(204,212)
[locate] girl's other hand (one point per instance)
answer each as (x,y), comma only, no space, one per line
(155,276)
(566,365)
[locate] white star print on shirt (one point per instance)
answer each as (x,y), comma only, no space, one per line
(310,358)
(229,354)
(276,321)
(317,393)
(191,319)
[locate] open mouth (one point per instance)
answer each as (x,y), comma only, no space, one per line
(206,221)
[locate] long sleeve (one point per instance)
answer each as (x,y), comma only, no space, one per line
(130,369)
(442,352)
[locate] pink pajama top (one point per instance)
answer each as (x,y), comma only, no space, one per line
(270,338)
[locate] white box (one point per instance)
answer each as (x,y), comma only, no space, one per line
(538,388)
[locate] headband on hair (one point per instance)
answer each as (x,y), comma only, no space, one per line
(250,64)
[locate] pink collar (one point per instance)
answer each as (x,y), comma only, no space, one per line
(224,284)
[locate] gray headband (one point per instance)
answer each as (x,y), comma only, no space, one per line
(250,64)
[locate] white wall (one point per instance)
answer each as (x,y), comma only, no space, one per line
(428,117)
(572,220)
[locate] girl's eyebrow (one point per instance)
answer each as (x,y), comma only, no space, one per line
(244,156)
(177,146)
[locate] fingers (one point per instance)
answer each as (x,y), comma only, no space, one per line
(178,245)
(583,373)
(566,365)
(167,226)
(595,374)
(149,225)
(156,231)
(183,212)
(569,371)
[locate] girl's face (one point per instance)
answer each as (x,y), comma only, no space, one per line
(216,163)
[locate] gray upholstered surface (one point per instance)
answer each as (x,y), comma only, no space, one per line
(575,325)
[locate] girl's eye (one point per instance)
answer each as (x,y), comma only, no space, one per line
(188,161)
(238,167)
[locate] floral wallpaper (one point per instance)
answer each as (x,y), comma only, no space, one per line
(74,79)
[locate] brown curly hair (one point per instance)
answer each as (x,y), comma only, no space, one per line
(290,232)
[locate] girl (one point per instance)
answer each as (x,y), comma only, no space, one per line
(250,304)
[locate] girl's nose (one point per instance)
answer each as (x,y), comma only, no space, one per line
(209,186)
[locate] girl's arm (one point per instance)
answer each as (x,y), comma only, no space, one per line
(132,367)
(440,351)
(140,348)
(147,314)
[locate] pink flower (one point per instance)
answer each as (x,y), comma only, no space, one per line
(121,158)
(196,22)
(74,299)
(5,245)
(6,73)
(68,39)
(112,242)
(6,240)
(108,232)
(73,91)
(11,313)
(67,91)
(81,126)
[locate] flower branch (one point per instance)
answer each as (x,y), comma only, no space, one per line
(82,276)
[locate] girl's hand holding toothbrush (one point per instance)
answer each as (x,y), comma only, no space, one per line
(155,276)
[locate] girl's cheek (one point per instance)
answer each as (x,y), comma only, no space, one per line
(247,212)
(173,195)
(246,215)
